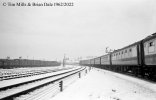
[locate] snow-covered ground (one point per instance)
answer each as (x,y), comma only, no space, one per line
(106,85)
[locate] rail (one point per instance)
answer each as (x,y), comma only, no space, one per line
(13,75)
(44,84)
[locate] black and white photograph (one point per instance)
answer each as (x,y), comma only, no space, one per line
(77,49)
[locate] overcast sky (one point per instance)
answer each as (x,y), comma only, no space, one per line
(82,30)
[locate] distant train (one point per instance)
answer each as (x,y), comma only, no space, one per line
(14,63)
(138,59)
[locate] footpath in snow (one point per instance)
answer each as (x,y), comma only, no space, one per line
(105,85)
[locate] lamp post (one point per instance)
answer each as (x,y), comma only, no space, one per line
(108,51)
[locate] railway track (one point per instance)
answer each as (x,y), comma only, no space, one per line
(6,75)
(46,83)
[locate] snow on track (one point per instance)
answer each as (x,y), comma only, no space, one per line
(105,85)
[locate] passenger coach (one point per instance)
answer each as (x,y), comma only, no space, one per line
(150,55)
(138,59)
(127,59)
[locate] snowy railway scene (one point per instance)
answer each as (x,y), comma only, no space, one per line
(78,50)
(25,87)
(109,86)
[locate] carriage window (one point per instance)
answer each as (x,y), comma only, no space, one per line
(125,51)
(130,50)
(151,44)
(122,52)
(151,47)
